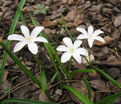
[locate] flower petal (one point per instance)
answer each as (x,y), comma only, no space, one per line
(82,51)
(36,31)
(62,48)
(25,31)
(77,57)
(65,57)
(16,37)
(99,39)
(77,43)
(33,48)
(81,36)
(40,39)
(19,46)
(97,32)
(82,30)
(90,30)
(68,41)
(90,42)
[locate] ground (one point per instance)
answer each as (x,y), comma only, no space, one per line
(102,14)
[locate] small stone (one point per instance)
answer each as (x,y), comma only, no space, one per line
(114,72)
(96,49)
(105,50)
(113,44)
(117,21)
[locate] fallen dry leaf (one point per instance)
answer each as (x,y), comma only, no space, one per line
(107,39)
(48,23)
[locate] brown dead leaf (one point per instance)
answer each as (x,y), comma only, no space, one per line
(48,23)
(100,85)
(29,8)
(71,15)
(107,39)
(5,83)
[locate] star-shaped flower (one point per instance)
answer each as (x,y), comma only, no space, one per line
(28,39)
(90,35)
(71,50)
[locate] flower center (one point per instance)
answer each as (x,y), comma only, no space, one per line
(90,36)
(71,50)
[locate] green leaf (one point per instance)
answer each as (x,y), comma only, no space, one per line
(110,99)
(43,80)
(11,31)
(23,101)
(108,77)
(21,66)
(82,71)
(78,94)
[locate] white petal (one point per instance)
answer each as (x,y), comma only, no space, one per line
(40,39)
(82,36)
(68,41)
(36,31)
(33,48)
(16,37)
(77,57)
(97,32)
(77,43)
(90,30)
(82,51)
(90,42)
(99,39)
(25,31)
(62,48)
(65,57)
(19,46)
(82,30)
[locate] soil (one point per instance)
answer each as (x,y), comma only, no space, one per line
(102,14)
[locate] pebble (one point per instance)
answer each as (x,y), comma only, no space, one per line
(113,44)
(114,72)
(117,21)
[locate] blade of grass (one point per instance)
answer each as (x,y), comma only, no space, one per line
(21,66)
(108,77)
(11,31)
(23,101)
(67,30)
(43,81)
(110,99)
(52,53)
(78,94)
(88,87)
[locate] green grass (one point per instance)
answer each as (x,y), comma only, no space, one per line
(11,31)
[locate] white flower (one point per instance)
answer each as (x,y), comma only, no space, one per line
(28,39)
(90,34)
(71,50)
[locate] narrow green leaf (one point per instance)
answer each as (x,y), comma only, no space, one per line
(11,31)
(88,87)
(108,77)
(23,101)
(110,99)
(43,80)
(21,66)
(79,95)
(67,30)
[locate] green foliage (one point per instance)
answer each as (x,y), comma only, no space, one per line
(23,101)
(79,95)
(110,99)
(40,9)
(11,31)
